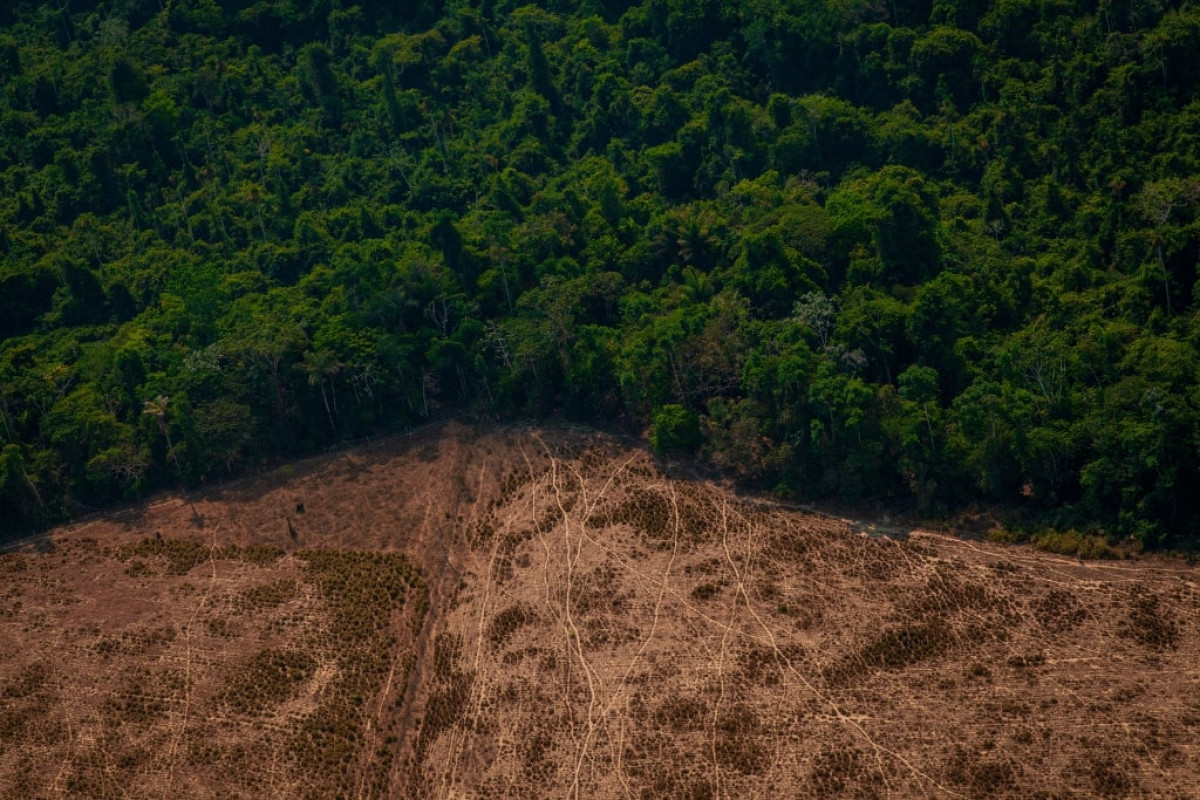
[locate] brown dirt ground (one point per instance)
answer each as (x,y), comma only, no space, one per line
(583,626)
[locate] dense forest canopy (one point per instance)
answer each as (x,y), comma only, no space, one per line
(936,253)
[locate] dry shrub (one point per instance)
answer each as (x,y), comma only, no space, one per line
(947,593)
(445,707)
(656,762)
(219,627)
(29,680)
(144,696)
(739,741)
(760,666)
(983,777)
(597,591)
(362,589)
(447,704)
(138,568)
(265,597)
(270,677)
(608,629)
(681,714)
(182,555)
(447,650)
(505,624)
(787,544)
(1148,625)
(1058,611)
(1026,661)
(895,648)
(669,786)
(512,482)
(1109,778)
(646,511)
(536,767)
(841,772)
(874,560)
(12,725)
(139,641)
(363,592)
(12,563)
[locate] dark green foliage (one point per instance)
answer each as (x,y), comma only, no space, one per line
(931,253)
(127,82)
(674,428)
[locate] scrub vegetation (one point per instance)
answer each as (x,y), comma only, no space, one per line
(497,613)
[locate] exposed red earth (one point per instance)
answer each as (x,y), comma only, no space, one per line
(504,612)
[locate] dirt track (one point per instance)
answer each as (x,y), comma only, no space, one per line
(593,629)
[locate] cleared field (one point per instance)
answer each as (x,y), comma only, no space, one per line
(580,625)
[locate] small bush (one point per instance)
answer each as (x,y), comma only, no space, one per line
(269,678)
(507,623)
(1073,543)
(1149,626)
(675,429)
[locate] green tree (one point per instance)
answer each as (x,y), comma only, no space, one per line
(674,428)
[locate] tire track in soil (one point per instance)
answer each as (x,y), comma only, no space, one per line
(564,618)
(187,666)
(588,508)
(479,688)
(543,538)
(437,569)
(574,640)
(376,723)
(847,719)
(718,777)
(1097,584)
(69,761)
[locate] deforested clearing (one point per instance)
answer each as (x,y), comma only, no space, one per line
(545,612)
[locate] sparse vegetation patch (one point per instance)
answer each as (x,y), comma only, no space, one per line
(739,651)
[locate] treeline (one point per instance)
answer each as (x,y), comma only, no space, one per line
(932,252)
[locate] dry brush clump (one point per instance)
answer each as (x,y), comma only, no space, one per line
(12,566)
(843,771)
(245,684)
(137,642)
(447,703)
(363,593)
(12,563)
(267,679)
(513,482)
(268,596)
(894,648)
(1058,611)
(706,647)
(23,700)
(146,695)
(1148,623)
(506,552)
(685,514)
(180,556)
(992,774)
(505,624)
(682,713)
(657,763)
(645,510)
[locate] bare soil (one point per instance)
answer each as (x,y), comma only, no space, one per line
(504,612)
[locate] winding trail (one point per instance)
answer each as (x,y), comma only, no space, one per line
(181,728)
